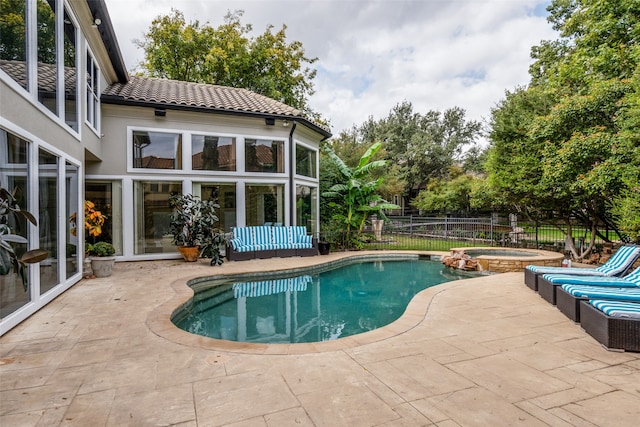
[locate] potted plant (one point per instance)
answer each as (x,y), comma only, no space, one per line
(102,258)
(93,222)
(192,224)
(9,259)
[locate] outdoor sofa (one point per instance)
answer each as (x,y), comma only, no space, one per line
(569,297)
(267,241)
(617,265)
(614,324)
(548,283)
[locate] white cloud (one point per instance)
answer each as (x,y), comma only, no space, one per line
(373,55)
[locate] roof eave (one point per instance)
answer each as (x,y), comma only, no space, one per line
(116,100)
(99,10)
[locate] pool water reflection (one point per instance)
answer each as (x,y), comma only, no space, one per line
(322,306)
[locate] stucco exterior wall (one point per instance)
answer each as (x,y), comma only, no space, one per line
(116,120)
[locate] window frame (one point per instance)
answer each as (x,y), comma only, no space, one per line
(92,94)
(30,93)
(185,151)
(237,140)
(316,165)
(257,138)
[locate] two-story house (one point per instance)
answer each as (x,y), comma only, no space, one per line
(126,143)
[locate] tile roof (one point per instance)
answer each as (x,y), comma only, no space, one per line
(17,70)
(198,96)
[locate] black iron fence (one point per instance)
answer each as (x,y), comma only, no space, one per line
(443,233)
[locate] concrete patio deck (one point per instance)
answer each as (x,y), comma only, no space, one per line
(485,351)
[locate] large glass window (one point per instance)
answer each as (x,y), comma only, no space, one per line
(306,207)
(107,198)
(72,246)
(152,216)
(213,153)
(58,92)
(70,83)
(47,54)
(264,204)
(93,92)
(157,150)
(13,177)
(13,40)
(225,196)
(305,161)
(263,155)
(48,218)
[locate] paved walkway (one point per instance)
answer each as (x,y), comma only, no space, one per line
(485,351)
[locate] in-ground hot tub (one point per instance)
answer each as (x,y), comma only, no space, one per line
(501,260)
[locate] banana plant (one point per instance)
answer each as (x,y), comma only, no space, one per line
(9,260)
(358,197)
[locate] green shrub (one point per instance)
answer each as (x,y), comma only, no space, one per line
(101,249)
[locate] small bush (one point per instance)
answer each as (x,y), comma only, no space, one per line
(101,249)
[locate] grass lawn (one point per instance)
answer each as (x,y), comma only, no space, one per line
(412,243)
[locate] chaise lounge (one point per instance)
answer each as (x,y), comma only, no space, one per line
(549,283)
(614,324)
(568,297)
(617,265)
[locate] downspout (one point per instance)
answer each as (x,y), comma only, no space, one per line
(292,189)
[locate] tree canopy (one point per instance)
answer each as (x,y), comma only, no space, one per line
(567,143)
(267,64)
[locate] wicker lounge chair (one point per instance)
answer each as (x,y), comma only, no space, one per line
(549,283)
(614,324)
(568,297)
(617,265)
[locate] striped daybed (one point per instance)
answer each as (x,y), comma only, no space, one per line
(568,297)
(617,265)
(548,283)
(268,241)
(614,324)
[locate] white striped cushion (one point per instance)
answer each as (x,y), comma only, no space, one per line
(616,265)
(621,294)
(281,237)
(620,261)
(617,309)
(560,279)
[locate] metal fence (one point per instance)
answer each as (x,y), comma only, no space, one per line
(443,233)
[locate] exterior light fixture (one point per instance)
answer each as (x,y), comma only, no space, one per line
(269,121)
(96,22)
(285,123)
(160,112)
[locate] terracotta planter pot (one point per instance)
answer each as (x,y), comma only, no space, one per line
(189,253)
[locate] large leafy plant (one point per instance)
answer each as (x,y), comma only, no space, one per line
(193,221)
(9,260)
(355,198)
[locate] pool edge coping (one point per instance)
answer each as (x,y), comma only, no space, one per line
(159,320)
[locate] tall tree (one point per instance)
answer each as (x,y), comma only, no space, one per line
(423,146)
(227,55)
(561,144)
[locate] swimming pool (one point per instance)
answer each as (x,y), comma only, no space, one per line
(310,306)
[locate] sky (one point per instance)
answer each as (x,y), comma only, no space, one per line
(375,54)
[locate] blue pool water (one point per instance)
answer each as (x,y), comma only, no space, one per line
(322,306)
